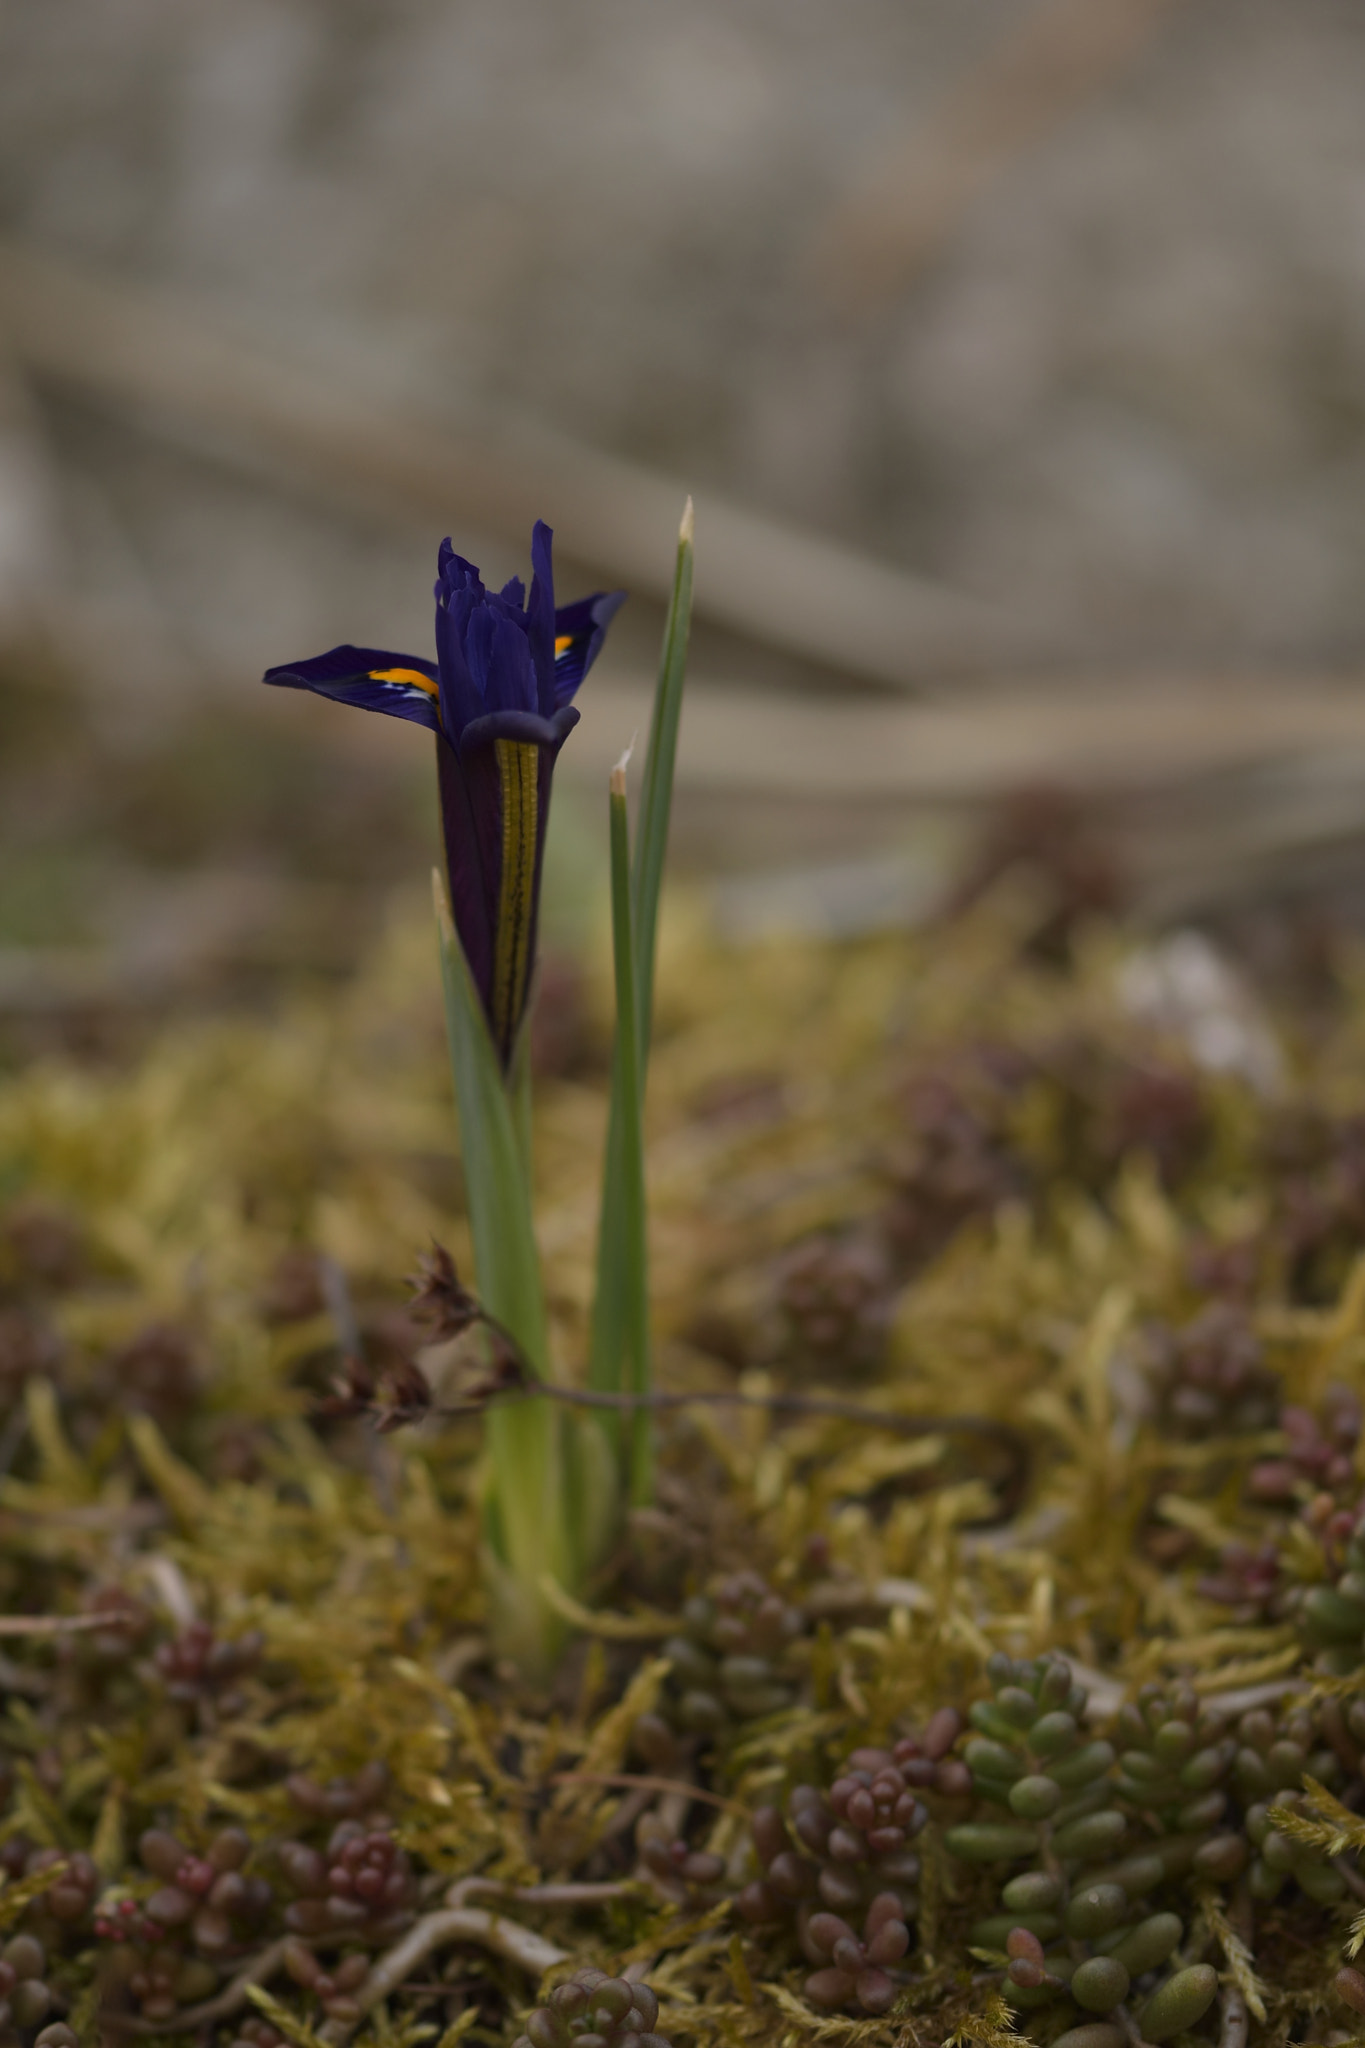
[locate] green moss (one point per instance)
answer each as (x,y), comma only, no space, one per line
(244,1614)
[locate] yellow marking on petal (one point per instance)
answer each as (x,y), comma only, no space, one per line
(563,641)
(519,770)
(404,675)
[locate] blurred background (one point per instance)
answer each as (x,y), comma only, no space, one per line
(1014,351)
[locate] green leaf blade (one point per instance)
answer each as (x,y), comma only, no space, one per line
(609,1322)
(634,1248)
(527,1510)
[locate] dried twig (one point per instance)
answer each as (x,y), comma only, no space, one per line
(233,1996)
(540,1894)
(1046,64)
(506,1938)
(792,589)
(1235,2018)
(52,1624)
(1000,1436)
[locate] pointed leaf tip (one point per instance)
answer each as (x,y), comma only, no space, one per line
(444,920)
(616,781)
(685,529)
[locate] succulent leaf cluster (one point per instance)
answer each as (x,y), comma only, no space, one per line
(361,1886)
(1032,1758)
(731,1662)
(162,1950)
(1319,1455)
(202,1670)
(680,1872)
(592,2010)
(168,1943)
(834,1303)
(1273,1759)
(1174,1772)
(1317,1163)
(25,1998)
(840,1868)
(1331,1615)
(954,1161)
(1210,1378)
(1074,1925)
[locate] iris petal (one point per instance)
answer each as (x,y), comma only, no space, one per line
(498,698)
(580,630)
(540,615)
(401,685)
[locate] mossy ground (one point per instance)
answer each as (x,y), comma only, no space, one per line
(190,1474)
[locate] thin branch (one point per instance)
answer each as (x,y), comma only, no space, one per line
(506,1938)
(55,1624)
(1236,2019)
(229,2000)
(1131,2029)
(1001,1436)
(775,583)
(541,1894)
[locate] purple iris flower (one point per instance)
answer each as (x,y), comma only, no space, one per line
(499,699)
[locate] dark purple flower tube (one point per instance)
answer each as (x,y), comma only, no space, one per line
(499,699)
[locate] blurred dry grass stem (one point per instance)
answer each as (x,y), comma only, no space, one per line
(1043,68)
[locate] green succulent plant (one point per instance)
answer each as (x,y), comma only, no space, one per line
(1074,1926)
